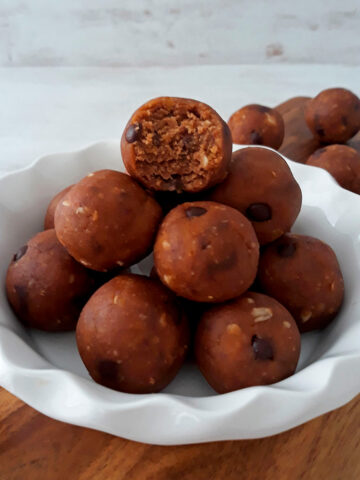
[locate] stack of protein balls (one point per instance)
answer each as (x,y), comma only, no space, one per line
(223,240)
(333,117)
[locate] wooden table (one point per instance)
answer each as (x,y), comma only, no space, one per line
(34,447)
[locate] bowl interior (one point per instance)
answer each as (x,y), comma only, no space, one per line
(23,200)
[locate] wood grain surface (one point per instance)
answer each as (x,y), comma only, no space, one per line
(34,447)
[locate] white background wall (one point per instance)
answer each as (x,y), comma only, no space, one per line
(164,32)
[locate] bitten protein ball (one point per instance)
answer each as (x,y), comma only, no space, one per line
(107,220)
(304,275)
(176,144)
(132,335)
(50,212)
(342,162)
(252,340)
(206,252)
(333,115)
(257,125)
(45,286)
(261,186)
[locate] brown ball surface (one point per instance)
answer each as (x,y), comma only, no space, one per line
(257,125)
(206,252)
(132,335)
(303,274)
(252,340)
(50,212)
(107,220)
(46,287)
(342,162)
(261,186)
(176,144)
(333,115)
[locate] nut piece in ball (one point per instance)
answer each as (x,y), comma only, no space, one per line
(206,252)
(252,340)
(333,115)
(261,186)
(46,287)
(342,162)
(303,274)
(132,335)
(176,144)
(107,221)
(257,125)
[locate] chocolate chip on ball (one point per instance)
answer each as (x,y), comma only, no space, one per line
(133,335)
(206,252)
(261,186)
(176,145)
(133,132)
(252,340)
(303,274)
(258,212)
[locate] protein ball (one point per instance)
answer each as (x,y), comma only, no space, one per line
(257,125)
(333,115)
(261,186)
(50,212)
(303,274)
(107,220)
(252,340)
(45,286)
(206,252)
(132,335)
(342,162)
(176,144)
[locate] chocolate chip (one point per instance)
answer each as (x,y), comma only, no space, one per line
(286,248)
(344,121)
(255,138)
(195,211)
(108,370)
(262,348)
(357,106)
(20,253)
(133,132)
(259,212)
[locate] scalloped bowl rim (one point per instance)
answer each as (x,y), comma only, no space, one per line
(169,419)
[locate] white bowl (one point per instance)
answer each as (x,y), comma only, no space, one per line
(45,370)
